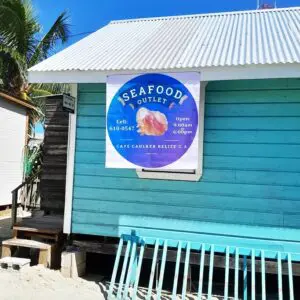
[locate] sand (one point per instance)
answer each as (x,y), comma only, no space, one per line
(44,284)
(40,283)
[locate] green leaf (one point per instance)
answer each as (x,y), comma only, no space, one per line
(58,32)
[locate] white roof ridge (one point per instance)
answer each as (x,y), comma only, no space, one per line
(201,15)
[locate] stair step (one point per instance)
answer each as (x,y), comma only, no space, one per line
(16,242)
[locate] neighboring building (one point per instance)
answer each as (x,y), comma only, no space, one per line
(248,197)
(13,137)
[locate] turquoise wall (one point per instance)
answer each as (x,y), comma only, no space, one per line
(249,194)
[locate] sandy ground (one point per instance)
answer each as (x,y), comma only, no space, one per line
(40,283)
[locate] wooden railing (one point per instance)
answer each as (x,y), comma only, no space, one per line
(15,193)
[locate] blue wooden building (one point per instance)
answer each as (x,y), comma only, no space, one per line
(247,200)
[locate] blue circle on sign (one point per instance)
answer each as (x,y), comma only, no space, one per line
(152,120)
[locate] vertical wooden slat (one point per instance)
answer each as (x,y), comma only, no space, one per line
(186,269)
(226,274)
(152,270)
(129,272)
(211,272)
(162,269)
(245,273)
(253,275)
(124,267)
(263,275)
(201,270)
(115,270)
(138,271)
(174,292)
(280,296)
(291,283)
(14,207)
(236,275)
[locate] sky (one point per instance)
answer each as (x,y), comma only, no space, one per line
(90,15)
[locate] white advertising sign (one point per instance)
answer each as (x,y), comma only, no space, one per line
(152,121)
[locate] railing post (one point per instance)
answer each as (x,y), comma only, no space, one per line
(14,207)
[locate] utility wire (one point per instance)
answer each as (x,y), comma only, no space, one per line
(82,33)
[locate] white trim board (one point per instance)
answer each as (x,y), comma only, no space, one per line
(70,165)
(207,74)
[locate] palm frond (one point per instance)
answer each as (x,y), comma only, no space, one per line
(12,70)
(18,25)
(58,32)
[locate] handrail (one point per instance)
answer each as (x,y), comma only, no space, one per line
(15,197)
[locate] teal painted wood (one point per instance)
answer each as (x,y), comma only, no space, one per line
(279,267)
(186,270)
(138,272)
(153,268)
(245,278)
(236,275)
(291,283)
(263,276)
(176,273)
(201,273)
(250,182)
(162,269)
(211,272)
(253,285)
(226,280)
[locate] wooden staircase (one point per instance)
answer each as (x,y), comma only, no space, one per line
(43,233)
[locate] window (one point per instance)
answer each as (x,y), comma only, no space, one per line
(185,175)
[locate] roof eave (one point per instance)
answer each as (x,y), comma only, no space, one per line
(266,71)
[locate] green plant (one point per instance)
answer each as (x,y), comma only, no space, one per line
(21,46)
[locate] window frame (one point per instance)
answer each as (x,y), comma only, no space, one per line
(183,175)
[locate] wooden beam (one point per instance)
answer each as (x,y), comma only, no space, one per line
(17,101)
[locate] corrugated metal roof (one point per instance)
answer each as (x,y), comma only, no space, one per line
(191,41)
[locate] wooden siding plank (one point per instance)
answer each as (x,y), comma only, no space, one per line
(92,98)
(252,123)
(90,110)
(252,136)
(246,85)
(181,212)
(254,96)
(209,175)
(253,163)
(240,190)
(192,201)
(93,133)
(252,150)
(92,87)
(253,110)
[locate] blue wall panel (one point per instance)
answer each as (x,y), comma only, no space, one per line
(250,190)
